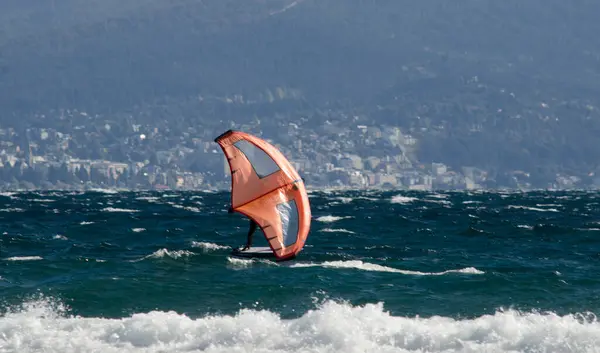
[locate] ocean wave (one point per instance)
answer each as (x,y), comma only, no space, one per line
(148,198)
(366,266)
(114,209)
(42,200)
(206,247)
(331,327)
(524,226)
(138,230)
(238,262)
(105,191)
(329,219)
(438,196)
(162,253)
(344,199)
(167,196)
(533,208)
(187,208)
(336,230)
(10,195)
(468,202)
(12,209)
(24,258)
(403,199)
(366,198)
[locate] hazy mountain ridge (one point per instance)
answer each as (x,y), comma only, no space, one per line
(479,82)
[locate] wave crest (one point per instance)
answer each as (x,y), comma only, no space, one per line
(366,266)
(332,327)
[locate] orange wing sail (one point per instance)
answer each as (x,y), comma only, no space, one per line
(266,188)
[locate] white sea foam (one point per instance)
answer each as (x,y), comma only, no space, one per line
(42,200)
(331,327)
(138,230)
(344,199)
(336,230)
(105,191)
(438,196)
(170,195)
(162,253)
(59,237)
(329,219)
(470,202)
(238,262)
(85,223)
(187,208)
(12,209)
(148,198)
(366,198)
(524,226)
(206,247)
(113,209)
(366,266)
(403,199)
(534,208)
(24,258)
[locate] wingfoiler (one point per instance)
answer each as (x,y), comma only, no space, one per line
(266,188)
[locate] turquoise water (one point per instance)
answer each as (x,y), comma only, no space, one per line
(381,272)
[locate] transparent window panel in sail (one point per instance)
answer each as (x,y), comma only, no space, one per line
(262,164)
(288,213)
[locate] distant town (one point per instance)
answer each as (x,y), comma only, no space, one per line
(389,95)
(337,154)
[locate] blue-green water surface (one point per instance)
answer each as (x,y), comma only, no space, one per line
(381,272)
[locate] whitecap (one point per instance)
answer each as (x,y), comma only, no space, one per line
(104,191)
(330,327)
(12,209)
(533,208)
(148,198)
(336,230)
(365,266)
(8,194)
(524,226)
(403,199)
(329,219)
(209,246)
(114,209)
(239,262)
(24,258)
(187,208)
(162,253)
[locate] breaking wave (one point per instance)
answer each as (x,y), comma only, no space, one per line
(46,326)
(366,266)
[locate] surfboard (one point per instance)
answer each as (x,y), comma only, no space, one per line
(266,188)
(255,251)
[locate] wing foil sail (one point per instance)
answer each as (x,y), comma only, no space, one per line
(266,188)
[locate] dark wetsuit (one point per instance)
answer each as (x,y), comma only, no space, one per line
(250,231)
(250,234)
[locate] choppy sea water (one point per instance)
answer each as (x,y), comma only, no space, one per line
(381,272)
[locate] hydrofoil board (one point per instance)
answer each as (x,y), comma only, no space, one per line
(255,251)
